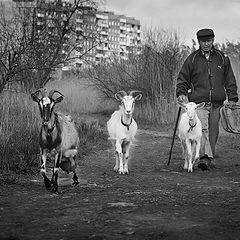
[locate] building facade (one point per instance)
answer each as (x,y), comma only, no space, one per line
(99,36)
(118,36)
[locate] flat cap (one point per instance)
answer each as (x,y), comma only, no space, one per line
(205,34)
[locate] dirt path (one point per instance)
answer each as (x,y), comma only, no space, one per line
(152,202)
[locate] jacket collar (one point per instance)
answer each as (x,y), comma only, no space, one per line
(203,53)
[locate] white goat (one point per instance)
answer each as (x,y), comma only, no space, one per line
(190,133)
(122,129)
(58,135)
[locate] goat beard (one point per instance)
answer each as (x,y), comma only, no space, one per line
(47,126)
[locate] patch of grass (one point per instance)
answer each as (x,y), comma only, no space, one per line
(8,178)
(19,153)
(20,123)
(92,136)
(18,133)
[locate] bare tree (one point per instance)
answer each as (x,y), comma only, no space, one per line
(153,72)
(39,38)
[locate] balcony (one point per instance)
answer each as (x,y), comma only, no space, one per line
(104,33)
(98,55)
(101,16)
(123,28)
(79,20)
(78,29)
(102,24)
(40,15)
(122,20)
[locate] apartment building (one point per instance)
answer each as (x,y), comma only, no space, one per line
(99,36)
(118,36)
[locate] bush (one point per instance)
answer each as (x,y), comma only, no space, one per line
(19,128)
(19,133)
(153,71)
(93,136)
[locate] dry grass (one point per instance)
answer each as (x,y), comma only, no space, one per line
(20,122)
(80,96)
(18,131)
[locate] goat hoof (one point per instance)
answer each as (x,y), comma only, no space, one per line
(75,183)
(55,191)
(54,188)
(48,183)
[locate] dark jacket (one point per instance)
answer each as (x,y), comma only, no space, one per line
(207,80)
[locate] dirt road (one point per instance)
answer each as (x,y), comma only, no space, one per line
(152,202)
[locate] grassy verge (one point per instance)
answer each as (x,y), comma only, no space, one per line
(19,131)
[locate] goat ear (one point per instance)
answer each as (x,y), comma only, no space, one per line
(138,97)
(182,104)
(118,96)
(35,97)
(58,100)
(200,105)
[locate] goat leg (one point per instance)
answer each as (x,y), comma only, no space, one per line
(115,169)
(189,153)
(126,148)
(75,179)
(54,183)
(120,156)
(47,182)
(58,158)
(43,158)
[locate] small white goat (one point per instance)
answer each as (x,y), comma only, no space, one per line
(122,129)
(190,133)
(58,135)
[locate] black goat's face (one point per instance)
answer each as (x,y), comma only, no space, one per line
(46,106)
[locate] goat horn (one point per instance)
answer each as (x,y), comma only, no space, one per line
(52,92)
(122,91)
(39,91)
(134,91)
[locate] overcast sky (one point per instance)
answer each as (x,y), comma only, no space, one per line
(185,16)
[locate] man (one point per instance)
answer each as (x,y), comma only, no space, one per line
(207,76)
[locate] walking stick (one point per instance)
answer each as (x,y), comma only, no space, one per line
(174,133)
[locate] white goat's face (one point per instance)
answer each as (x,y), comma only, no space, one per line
(128,101)
(191,110)
(128,104)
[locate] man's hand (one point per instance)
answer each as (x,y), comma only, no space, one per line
(182,99)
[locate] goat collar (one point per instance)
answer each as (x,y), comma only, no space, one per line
(191,126)
(126,125)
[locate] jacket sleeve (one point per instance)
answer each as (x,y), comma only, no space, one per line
(230,85)
(183,80)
